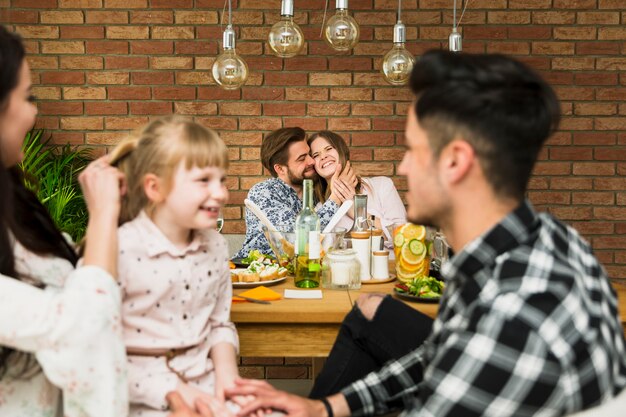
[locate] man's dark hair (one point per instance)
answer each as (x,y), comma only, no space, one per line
(275,147)
(499,105)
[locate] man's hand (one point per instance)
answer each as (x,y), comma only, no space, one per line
(180,409)
(268,398)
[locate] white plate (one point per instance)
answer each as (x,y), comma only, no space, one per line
(257,283)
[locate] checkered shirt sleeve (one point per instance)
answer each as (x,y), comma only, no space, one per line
(528,325)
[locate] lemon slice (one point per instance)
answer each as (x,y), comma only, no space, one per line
(414,231)
(413,252)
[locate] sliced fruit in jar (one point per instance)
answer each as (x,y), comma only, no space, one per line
(398,240)
(413,252)
(414,231)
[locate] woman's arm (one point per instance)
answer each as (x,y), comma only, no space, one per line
(100,183)
(75,334)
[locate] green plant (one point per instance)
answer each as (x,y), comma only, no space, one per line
(52,173)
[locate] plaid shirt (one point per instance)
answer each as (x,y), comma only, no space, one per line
(281,205)
(528,325)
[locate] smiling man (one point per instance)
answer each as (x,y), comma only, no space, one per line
(528,323)
(285,154)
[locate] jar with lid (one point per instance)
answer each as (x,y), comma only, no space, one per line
(341,270)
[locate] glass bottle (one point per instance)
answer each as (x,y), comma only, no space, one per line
(308,248)
(360,236)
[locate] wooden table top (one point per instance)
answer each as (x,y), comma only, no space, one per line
(336,304)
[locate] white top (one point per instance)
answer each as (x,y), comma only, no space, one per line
(73,328)
(383,201)
(172,298)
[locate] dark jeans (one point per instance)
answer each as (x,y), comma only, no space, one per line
(363,346)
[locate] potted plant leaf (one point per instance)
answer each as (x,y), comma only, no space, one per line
(52,173)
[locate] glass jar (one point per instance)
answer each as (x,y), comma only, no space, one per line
(341,270)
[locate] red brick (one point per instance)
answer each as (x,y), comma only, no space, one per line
(597,48)
(152,17)
(396,124)
(510,48)
(151,47)
(84,93)
(124,123)
(153,77)
(38,32)
(260,123)
(242,138)
(368,79)
(195,48)
(308,124)
(351,94)
(593,198)
(611,64)
(558,183)
(612,33)
(618,184)
(151,107)
(572,213)
(43,62)
(82,32)
(306,94)
(174,93)
(62,138)
(107,17)
(610,154)
(127,32)
(173,32)
(595,78)
(285,78)
(126,62)
(284,109)
(594,138)
(174,4)
(63,77)
(549,197)
(554,18)
(375,109)
(328,109)
(59,108)
(265,63)
(107,108)
(80,4)
(125,4)
(593,228)
(571,153)
(195,108)
(217,93)
(593,168)
(106,47)
(54,47)
(301,63)
(128,93)
(605,109)
(105,138)
(610,213)
(194,78)
(34,4)
(552,168)
(82,123)
(372,139)
(597,18)
(47,123)
(575,4)
(108,77)
(21,16)
(610,123)
(171,62)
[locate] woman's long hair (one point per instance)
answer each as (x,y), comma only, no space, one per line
(322,188)
(22,216)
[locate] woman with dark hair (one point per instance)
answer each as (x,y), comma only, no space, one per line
(61,351)
(328,149)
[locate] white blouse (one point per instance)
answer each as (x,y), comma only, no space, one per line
(73,328)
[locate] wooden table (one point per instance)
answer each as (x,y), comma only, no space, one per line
(308,328)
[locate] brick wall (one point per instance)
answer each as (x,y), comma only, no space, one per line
(102,67)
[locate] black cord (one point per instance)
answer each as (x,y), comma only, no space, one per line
(329,409)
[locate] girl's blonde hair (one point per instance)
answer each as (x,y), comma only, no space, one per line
(158,149)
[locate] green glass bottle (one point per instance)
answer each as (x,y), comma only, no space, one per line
(308,247)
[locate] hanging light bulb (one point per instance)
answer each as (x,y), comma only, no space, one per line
(398,63)
(286,38)
(341,31)
(455,41)
(229,70)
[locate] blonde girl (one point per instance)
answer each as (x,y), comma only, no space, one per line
(173,265)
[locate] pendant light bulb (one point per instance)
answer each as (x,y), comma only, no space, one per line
(398,62)
(286,38)
(230,71)
(455,41)
(341,31)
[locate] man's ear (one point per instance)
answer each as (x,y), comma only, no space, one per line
(153,188)
(280,169)
(457,160)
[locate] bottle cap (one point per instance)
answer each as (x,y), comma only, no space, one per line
(377,232)
(360,235)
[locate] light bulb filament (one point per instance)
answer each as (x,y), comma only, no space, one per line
(287,40)
(342,32)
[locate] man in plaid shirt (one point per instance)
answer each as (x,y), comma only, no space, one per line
(528,323)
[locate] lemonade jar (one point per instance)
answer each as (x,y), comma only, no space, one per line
(412,251)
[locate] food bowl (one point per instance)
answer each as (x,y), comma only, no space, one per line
(283,240)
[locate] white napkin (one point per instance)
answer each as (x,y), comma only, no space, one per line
(307,294)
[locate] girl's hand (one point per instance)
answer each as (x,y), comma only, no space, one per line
(102,187)
(348,175)
(340,190)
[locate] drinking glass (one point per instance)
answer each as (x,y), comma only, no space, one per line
(220,221)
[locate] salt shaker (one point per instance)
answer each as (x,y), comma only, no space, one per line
(361,245)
